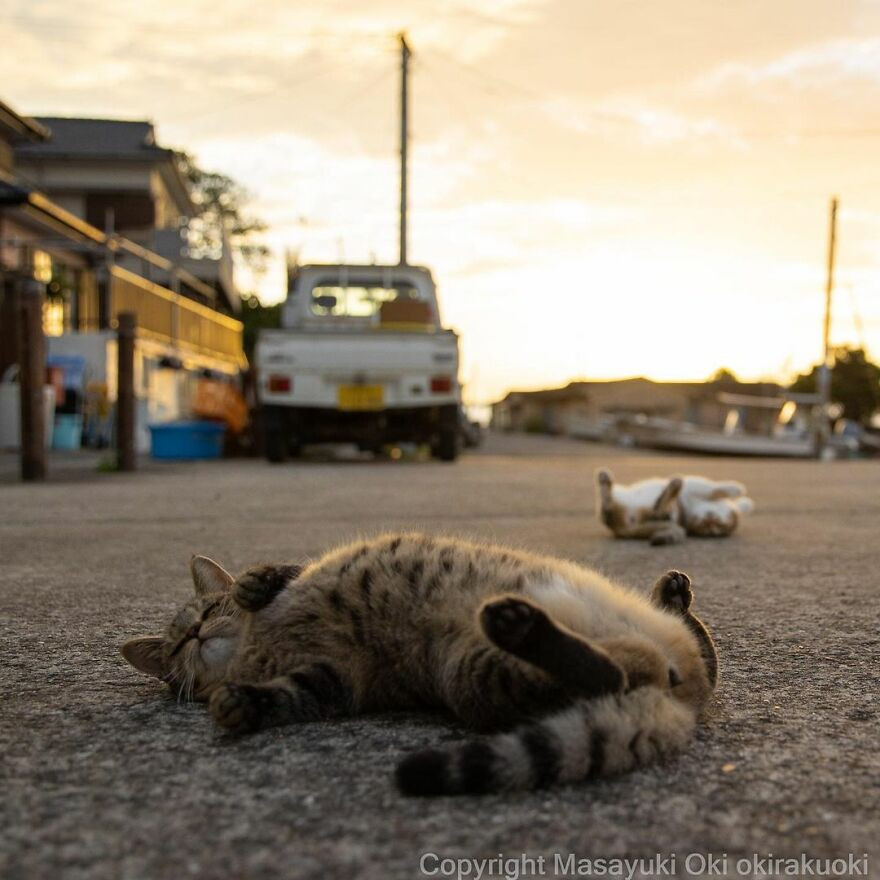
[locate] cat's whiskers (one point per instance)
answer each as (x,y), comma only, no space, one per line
(172,679)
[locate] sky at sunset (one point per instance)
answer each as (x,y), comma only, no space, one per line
(601,189)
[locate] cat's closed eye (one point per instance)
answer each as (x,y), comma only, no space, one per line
(212,608)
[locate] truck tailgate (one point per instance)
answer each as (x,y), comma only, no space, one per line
(409,368)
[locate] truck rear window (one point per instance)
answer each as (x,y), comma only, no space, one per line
(355,301)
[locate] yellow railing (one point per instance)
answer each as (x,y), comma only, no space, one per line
(163,314)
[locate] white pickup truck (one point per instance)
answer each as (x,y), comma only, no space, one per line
(361,357)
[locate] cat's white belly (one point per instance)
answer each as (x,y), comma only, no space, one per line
(597,610)
(700,508)
(639,495)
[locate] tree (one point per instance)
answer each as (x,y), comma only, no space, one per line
(855,383)
(255,317)
(723,376)
(222,204)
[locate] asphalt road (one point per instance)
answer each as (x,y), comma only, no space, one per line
(104,776)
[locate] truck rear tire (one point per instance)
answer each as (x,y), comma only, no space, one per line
(276,448)
(447,441)
(276,443)
(447,445)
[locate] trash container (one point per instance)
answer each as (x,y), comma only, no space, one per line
(68,431)
(187,440)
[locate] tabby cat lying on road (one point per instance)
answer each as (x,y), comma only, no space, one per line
(666,509)
(599,678)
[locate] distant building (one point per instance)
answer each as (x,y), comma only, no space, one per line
(88,277)
(583,408)
(112,174)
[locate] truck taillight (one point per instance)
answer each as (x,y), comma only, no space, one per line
(441,384)
(279,384)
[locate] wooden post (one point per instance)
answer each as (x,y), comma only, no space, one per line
(10,334)
(125,399)
(32,378)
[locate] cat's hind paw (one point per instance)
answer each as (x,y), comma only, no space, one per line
(673,591)
(509,622)
(236,707)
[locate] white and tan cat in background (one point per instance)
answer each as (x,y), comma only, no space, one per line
(664,510)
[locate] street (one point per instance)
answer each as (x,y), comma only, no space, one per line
(105,776)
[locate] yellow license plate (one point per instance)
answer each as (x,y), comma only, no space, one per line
(361,397)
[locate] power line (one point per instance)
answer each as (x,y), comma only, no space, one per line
(479,74)
(361,92)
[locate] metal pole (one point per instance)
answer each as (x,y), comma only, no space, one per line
(404,140)
(32,378)
(824,377)
(125,399)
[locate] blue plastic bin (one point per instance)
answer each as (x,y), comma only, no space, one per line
(68,431)
(187,440)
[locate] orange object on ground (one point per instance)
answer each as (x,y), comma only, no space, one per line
(222,402)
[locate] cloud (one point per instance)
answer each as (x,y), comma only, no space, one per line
(260,34)
(818,65)
(634,117)
(475,238)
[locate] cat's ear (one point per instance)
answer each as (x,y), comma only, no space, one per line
(209,577)
(668,495)
(146,655)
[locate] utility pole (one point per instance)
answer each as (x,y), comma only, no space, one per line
(404,140)
(824,378)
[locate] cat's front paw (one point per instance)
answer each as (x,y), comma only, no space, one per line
(511,621)
(257,587)
(673,591)
(236,707)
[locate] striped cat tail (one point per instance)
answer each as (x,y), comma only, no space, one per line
(601,737)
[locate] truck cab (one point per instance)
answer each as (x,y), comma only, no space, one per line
(362,357)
